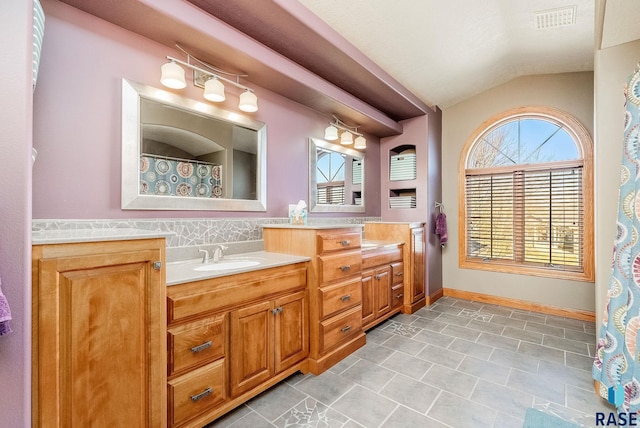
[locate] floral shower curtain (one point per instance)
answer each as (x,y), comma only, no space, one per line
(617,364)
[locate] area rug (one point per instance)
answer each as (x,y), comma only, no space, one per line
(537,419)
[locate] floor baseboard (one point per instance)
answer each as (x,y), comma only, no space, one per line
(520,304)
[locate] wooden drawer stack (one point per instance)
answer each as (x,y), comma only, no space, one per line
(196,367)
(334,281)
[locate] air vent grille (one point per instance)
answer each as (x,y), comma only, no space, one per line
(553,18)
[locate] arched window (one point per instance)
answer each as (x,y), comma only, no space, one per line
(527,200)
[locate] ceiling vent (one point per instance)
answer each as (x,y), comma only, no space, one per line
(553,18)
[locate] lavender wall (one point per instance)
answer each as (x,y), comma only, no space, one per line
(77,124)
(15,209)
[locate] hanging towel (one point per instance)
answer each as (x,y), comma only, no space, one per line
(441,228)
(5,314)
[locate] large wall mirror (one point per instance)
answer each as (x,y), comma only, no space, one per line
(181,154)
(336,178)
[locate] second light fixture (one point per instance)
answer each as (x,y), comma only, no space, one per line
(331,134)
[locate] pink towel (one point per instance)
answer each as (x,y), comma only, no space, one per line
(441,228)
(5,314)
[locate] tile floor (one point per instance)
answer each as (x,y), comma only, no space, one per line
(454,364)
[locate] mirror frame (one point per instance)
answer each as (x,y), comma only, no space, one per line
(131,199)
(314,207)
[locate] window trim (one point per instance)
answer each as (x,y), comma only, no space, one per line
(585,149)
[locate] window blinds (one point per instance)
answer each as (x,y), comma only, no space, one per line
(528,217)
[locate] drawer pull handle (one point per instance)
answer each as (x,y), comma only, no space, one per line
(345,329)
(345,297)
(380,275)
(345,243)
(399,273)
(202,347)
(345,268)
(200,396)
(400,296)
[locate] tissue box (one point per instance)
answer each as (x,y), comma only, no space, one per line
(300,219)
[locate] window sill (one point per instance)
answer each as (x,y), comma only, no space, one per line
(506,267)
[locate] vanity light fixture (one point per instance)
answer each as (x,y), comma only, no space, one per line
(346,138)
(173,77)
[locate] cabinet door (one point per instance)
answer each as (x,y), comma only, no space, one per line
(101,348)
(368,312)
(382,285)
(291,330)
(251,346)
(418,288)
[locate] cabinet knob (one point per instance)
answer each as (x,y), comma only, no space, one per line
(200,396)
(399,273)
(345,242)
(276,310)
(202,347)
(345,268)
(400,296)
(345,297)
(345,329)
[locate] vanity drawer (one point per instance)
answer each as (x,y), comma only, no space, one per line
(397,273)
(340,265)
(196,343)
(340,328)
(332,241)
(338,297)
(397,296)
(196,391)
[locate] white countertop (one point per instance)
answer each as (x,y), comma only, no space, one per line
(179,272)
(93,235)
(374,244)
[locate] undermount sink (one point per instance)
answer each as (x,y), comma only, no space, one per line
(226,265)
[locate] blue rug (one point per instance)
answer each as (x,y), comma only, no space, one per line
(537,419)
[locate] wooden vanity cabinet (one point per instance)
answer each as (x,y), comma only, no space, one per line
(231,338)
(99,348)
(382,284)
(335,290)
(414,257)
(267,338)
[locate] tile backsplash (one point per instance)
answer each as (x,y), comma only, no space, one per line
(193,231)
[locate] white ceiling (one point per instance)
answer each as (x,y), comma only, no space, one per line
(447,51)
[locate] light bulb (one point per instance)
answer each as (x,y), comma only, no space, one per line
(248,102)
(331,133)
(173,76)
(346,138)
(214,90)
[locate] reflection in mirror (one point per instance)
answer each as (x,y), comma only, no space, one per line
(184,154)
(336,178)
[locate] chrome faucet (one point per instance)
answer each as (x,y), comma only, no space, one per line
(218,253)
(205,256)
